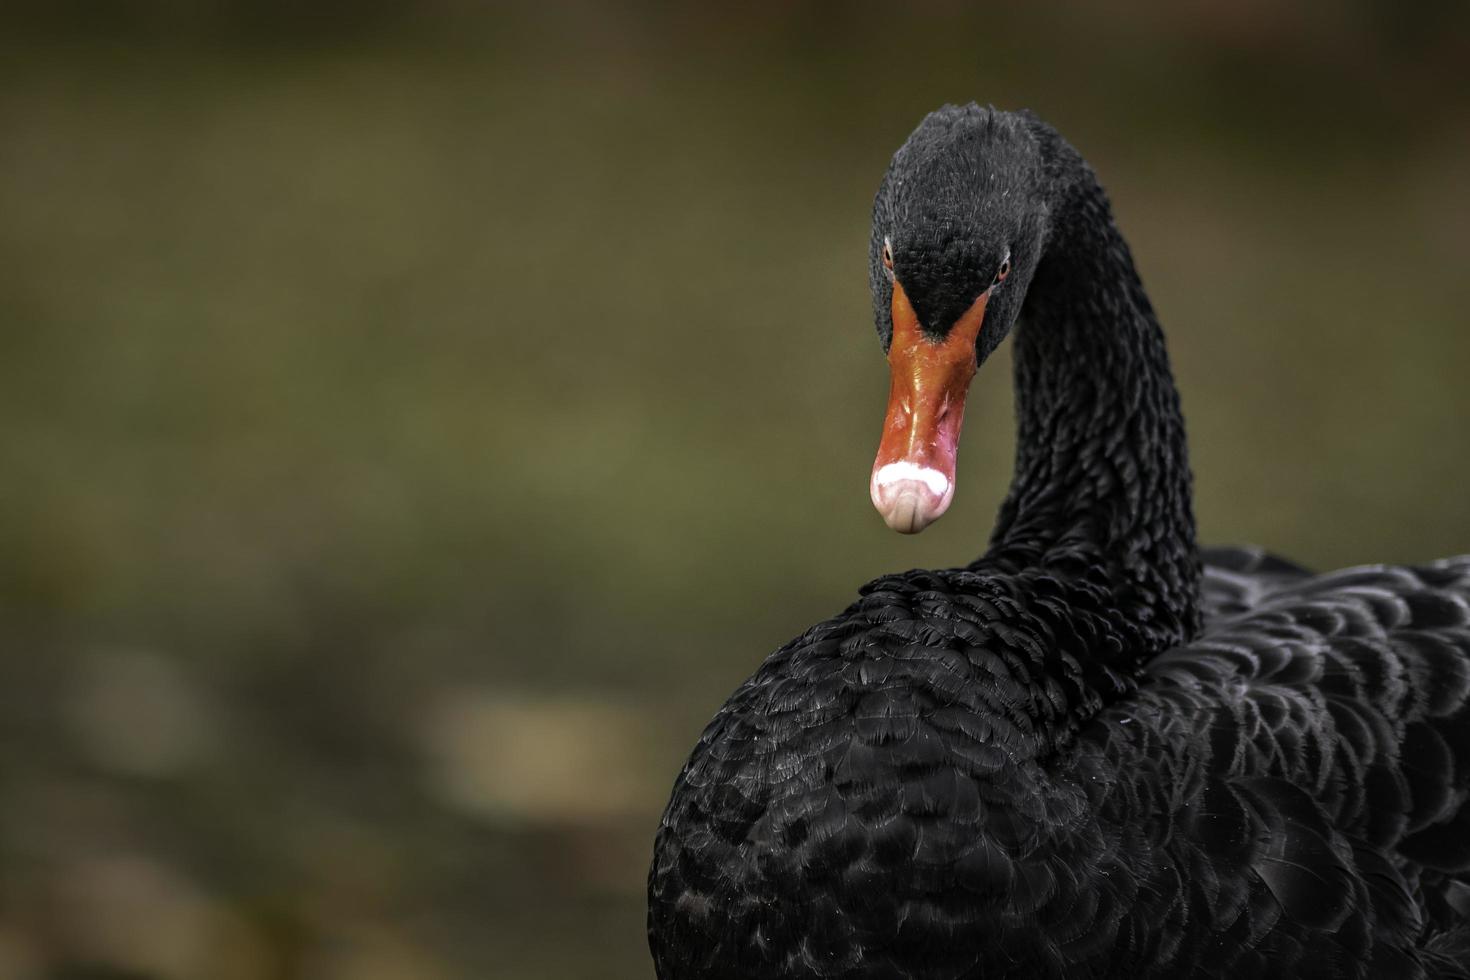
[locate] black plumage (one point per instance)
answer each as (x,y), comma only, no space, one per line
(1095,751)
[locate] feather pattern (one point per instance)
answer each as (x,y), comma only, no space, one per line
(1096,751)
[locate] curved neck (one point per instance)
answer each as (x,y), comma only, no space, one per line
(1102,482)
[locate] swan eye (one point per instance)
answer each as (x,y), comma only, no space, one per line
(1002,272)
(888,257)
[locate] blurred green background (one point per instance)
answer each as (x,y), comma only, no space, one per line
(415,418)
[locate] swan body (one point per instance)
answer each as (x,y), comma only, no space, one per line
(1095,751)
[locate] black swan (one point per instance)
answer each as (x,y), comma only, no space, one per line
(1096,751)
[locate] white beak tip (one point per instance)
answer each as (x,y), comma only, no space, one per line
(910,497)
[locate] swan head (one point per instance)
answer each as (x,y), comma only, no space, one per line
(957,228)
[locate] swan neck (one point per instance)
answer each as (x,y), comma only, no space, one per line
(1102,480)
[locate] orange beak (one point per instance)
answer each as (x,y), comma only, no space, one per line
(914,472)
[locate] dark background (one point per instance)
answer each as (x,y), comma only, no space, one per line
(415,418)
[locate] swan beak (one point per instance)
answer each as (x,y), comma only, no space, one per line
(914,473)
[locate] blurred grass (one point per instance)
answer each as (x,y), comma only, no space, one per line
(415,421)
